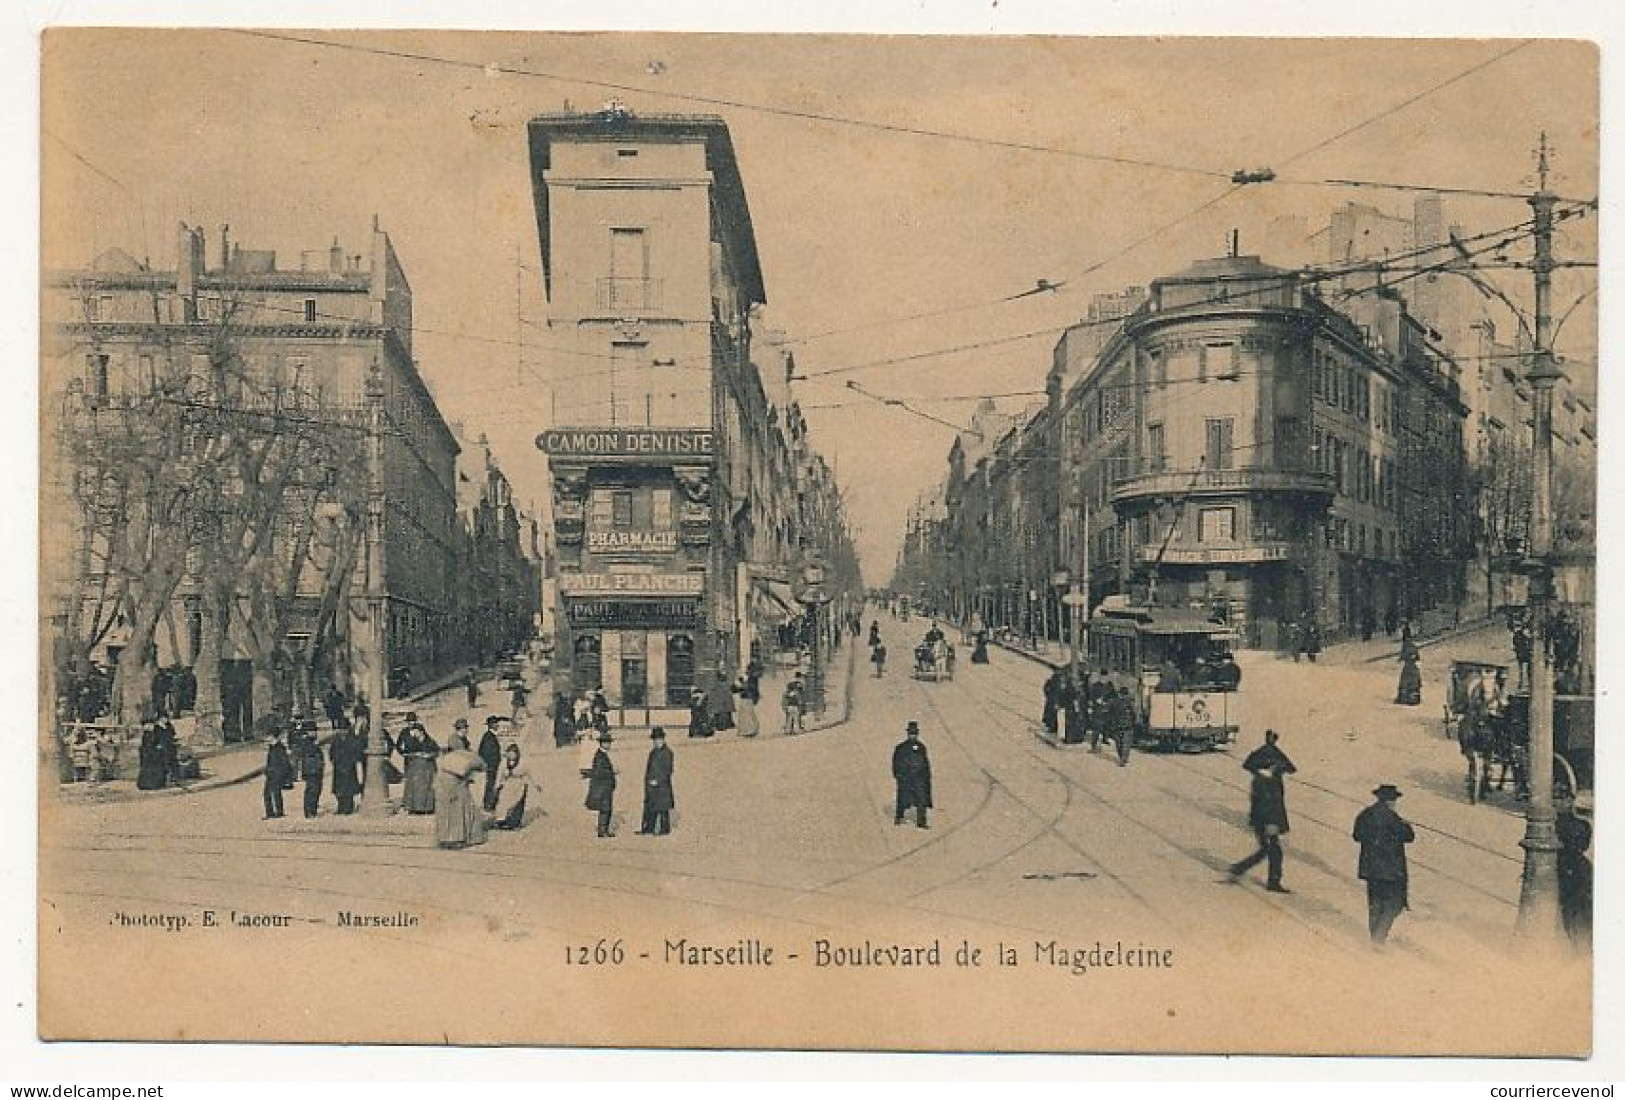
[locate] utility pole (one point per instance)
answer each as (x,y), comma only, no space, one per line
(1539,915)
(375,789)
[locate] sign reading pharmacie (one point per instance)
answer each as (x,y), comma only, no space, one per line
(636,613)
(631,542)
(659,443)
(632,584)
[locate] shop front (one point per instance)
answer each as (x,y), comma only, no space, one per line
(638,637)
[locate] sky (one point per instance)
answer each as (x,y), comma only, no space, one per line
(861,224)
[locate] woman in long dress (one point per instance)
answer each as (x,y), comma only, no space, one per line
(455,813)
(419,750)
(745,720)
(513,792)
(151,775)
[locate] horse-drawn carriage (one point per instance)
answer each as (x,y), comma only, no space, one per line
(1490,724)
(933,660)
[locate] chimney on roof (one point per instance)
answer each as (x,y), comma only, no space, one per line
(225,247)
(335,258)
(1235,243)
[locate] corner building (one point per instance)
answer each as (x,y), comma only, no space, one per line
(650,267)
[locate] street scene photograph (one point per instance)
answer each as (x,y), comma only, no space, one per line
(818,541)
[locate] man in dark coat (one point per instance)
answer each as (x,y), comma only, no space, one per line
(601,785)
(658,797)
(311,768)
(333,704)
(491,753)
(471,685)
(1382,835)
(1052,700)
(278,772)
(911,767)
(1267,810)
(1120,724)
(347,752)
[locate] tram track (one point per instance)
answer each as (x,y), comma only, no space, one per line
(1173,760)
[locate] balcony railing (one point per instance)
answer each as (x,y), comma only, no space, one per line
(1178,483)
(629,295)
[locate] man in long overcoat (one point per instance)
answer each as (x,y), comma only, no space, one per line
(1267,810)
(1382,835)
(278,773)
(491,754)
(911,767)
(601,785)
(658,798)
(1052,700)
(348,753)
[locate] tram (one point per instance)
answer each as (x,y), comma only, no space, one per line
(1178,670)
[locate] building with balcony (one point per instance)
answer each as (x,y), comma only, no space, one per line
(684,498)
(1229,441)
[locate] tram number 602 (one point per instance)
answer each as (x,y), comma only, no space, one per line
(602,953)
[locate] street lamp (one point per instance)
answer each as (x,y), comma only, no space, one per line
(1539,914)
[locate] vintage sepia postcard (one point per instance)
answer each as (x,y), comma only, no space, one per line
(818,541)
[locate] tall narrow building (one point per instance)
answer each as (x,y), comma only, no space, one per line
(650,268)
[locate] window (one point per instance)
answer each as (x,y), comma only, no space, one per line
(603,511)
(1334,394)
(1288,441)
(660,501)
(626,152)
(1317,374)
(310,311)
(588,669)
(1319,445)
(1221,433)
(1159,367)
(96,368)
(621,507)
(1156,453)
(628,254)
(1217,525)
(679,669)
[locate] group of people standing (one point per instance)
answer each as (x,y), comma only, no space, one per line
(659,798)
(1092,711)
(435,779)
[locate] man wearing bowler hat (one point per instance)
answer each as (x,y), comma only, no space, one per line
(1382,835)
(658,798)
(601,785)
(911,767)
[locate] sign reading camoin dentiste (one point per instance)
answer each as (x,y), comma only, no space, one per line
(627,442)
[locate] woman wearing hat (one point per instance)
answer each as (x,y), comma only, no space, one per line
(458,821)
(418,751)
(601,785)
(1382,835)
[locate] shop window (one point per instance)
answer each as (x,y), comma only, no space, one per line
(588,669)
(679,669)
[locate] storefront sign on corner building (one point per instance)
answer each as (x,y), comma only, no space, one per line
(673,443)
(633,614)
(632,584)
(631,542)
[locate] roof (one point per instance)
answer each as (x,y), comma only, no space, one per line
(728,194)
(1224,267)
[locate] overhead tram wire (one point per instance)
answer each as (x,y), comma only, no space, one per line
(1210,203)
(874,125)
(1307,275)
(1445,266)
(738,104)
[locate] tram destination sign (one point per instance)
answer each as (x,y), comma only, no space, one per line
(678,443)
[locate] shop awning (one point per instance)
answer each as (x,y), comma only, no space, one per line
(773,600)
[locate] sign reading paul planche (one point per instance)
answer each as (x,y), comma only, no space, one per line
(632,584)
